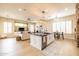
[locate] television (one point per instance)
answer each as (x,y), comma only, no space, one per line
(21,29)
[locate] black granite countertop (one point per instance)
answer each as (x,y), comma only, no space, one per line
(40,34)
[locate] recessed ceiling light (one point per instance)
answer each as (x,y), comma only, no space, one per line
(66,9)
(19,9)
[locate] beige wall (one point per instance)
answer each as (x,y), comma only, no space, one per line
(1,26)
(2,20)
(45,24)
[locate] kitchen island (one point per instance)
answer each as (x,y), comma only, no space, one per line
(40,40)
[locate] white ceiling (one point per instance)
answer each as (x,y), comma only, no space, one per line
(34,11)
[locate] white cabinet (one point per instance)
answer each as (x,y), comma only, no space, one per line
(50,38)
(36,41)
(40,42)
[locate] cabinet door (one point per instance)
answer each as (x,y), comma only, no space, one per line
(35,41)
(50,38)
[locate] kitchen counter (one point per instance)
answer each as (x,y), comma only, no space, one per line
(40,34)
(40,40)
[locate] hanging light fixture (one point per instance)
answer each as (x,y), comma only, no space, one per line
(28,18)
(43,13)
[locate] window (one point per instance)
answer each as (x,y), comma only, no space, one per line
(64,26)
(54,27)
(58,26)
(68,27)
(7,27)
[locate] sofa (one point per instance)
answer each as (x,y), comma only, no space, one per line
(2,36)
(25,35)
